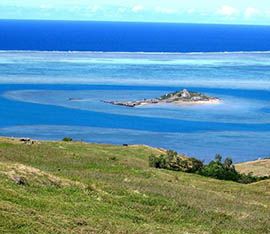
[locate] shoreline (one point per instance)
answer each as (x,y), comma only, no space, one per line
(212,102)
(180,98)
(178,103)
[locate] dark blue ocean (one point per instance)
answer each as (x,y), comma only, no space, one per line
(131,37)
(44,63)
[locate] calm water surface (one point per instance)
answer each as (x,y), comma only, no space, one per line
(35,88)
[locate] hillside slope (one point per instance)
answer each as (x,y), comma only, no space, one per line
(258,168)
(57,187)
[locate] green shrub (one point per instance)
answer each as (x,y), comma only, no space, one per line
(215,169)
(67,139)
(247,179)
(172,161)
(226,171)
(197,165)
(157,161)
(222,171)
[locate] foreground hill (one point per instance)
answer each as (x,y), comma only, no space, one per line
(57,187)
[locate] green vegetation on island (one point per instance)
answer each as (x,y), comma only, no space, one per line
(182,97)
(74,187)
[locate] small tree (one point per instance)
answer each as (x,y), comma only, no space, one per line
(228,163)
(218,170)
(218,158)
(67,139)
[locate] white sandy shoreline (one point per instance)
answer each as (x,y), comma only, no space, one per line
(183,103)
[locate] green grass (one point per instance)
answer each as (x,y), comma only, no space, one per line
(87,188)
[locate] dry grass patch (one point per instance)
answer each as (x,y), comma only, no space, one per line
(258,168)
(26,175)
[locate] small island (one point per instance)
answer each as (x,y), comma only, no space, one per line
(182,97)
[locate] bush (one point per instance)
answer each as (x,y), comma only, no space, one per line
(172,161)
(197,165)
(215,169)
(226,171)
(247,179)
(222,171)
(67,139)
(157,161)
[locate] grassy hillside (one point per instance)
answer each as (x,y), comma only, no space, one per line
(88,188)
(258,168)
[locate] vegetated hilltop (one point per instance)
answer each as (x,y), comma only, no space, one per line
(71,187)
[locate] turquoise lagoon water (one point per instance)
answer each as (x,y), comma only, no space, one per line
(35,88)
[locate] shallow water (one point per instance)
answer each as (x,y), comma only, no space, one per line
(36,87)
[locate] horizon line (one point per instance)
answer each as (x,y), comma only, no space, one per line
(138,52)
(138,22)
